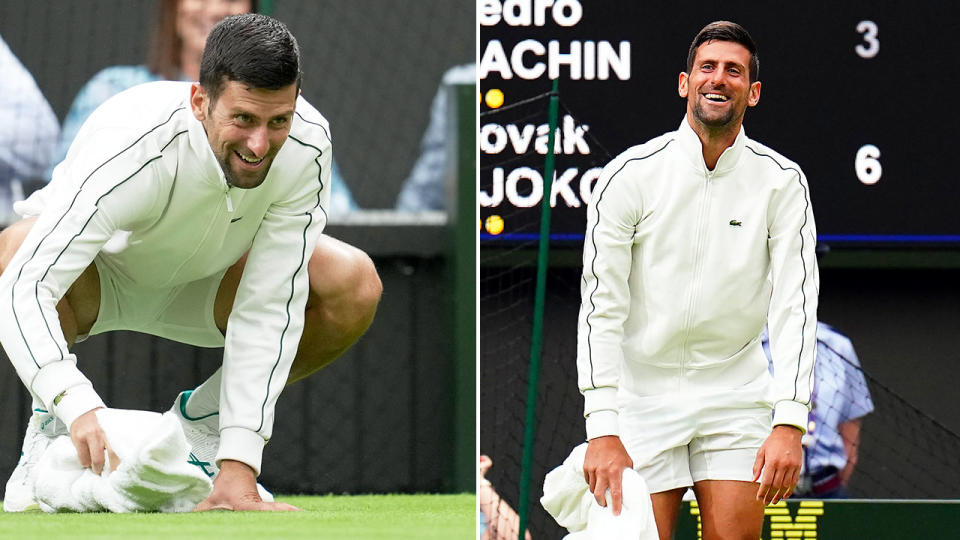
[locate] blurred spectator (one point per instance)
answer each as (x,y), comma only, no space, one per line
(424,189)
(28,131)
(840,399)
(497,520)
(179,36)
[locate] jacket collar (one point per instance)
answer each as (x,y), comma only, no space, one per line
(693,149)
(206,161)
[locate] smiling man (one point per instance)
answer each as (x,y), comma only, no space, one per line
(695,240)
(192,212)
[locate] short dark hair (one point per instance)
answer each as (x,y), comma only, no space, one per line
(726,31)
(253,49)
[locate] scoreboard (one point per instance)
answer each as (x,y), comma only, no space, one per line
(859,93)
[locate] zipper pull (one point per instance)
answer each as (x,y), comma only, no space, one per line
(229,202)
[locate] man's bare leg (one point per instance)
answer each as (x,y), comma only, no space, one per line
(344,293)
(666,504)
(729,509)
(343,297)
(79,307)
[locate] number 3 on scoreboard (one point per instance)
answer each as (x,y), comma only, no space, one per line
(868,165)
(869,31)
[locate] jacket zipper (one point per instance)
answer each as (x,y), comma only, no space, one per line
(206,233)
(697,266)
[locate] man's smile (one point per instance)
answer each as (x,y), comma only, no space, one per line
(249,163)
(716,97)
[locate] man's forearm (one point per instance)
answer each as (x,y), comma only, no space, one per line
(850,433)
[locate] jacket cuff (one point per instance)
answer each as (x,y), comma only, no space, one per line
(599,399)
(75,402)
(791,413)
(602,423)
(63,380)
(241,444)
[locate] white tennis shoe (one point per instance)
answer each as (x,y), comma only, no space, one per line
(203,436)
(42,429)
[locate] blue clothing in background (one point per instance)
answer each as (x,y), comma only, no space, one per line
(840,394)
(425,188)
(104,85)
(28,131)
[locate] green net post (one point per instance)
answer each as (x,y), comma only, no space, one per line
(265,7)
(536,341)
(462,221)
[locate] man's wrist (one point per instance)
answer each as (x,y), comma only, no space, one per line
(74,402)
(602,423)
(64,390)
(242,445)
(233,467)
(791,413)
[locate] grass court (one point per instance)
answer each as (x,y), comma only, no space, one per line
(355,517)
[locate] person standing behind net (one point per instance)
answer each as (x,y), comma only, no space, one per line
(178,37)
(840,400)
(694,241)
(425,188)
(191,212)
(497,520)
(28,131)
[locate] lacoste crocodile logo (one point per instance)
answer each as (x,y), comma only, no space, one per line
(234,220)
(735,223)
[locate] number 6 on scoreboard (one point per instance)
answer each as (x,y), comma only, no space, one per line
(868,164)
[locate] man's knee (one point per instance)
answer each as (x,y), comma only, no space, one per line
(343,281)
(11,238)
(366,295)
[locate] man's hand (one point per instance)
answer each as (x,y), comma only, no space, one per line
(485,464)
(603,469)
(91,442)
(779,461)
(235,488)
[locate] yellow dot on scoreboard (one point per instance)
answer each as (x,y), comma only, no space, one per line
(494,98)
(494,224)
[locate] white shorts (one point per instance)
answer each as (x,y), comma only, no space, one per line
(692,433)
(183,313)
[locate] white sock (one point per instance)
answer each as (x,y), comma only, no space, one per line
(206,398)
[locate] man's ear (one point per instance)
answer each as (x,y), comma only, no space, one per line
(682,85)
(199,101)
(754,96)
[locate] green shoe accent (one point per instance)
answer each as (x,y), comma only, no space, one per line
(194,460)
(183,408)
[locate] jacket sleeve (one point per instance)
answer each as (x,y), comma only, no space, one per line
(793,304)
(612,216)
(264,328)
(94,197)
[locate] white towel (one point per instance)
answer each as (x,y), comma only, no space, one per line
(567,497)
(153,475)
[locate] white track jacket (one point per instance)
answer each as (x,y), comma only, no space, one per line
(142,165)
(683,267)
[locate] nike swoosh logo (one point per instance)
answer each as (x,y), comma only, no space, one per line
(234,220)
